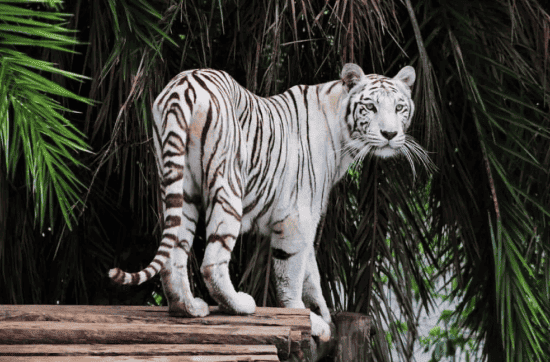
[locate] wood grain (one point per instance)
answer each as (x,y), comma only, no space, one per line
(135,349)
(297,319)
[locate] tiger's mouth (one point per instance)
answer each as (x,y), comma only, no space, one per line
(386,146)
(386,151)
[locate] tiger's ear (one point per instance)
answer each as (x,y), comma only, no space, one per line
(407,75)
(351,75)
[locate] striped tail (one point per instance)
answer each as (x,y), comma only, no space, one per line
(121,277)
(171,113)
(170,138)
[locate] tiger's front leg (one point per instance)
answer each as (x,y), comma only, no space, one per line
(292,252)
(312,293)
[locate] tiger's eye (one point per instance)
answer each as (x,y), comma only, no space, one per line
(371,107)
(399,107)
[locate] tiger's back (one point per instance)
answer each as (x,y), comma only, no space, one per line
(282,146)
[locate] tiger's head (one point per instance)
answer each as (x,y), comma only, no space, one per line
(378,112)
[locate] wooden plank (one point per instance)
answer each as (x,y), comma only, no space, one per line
(63,332)
(297,319)
(90,333)
(134,349)
(239,358)
(128,310)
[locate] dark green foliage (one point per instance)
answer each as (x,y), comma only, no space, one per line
(67,215)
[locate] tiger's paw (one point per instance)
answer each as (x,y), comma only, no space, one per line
(197,308)
(241,304)
(319,328)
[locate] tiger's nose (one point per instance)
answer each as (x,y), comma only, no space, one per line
(388,135)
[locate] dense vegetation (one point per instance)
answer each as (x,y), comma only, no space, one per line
(78,185)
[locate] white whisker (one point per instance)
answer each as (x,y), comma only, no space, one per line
(358,149)
(405,151)
(412,150)
(346,150)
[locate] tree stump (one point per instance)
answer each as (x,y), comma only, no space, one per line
(350,340)
(353,333)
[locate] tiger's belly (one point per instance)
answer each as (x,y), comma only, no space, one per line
(275,201)
(260,209)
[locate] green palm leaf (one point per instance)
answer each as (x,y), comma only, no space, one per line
(32,119)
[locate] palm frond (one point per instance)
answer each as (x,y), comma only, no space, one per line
(497,142)
(33,121)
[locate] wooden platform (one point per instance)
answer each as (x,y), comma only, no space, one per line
(126,333)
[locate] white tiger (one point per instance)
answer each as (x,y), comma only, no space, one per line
(265,165)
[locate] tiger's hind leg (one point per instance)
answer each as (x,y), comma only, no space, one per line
(175,279)
(181,201)
(174,119)
(222,230)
